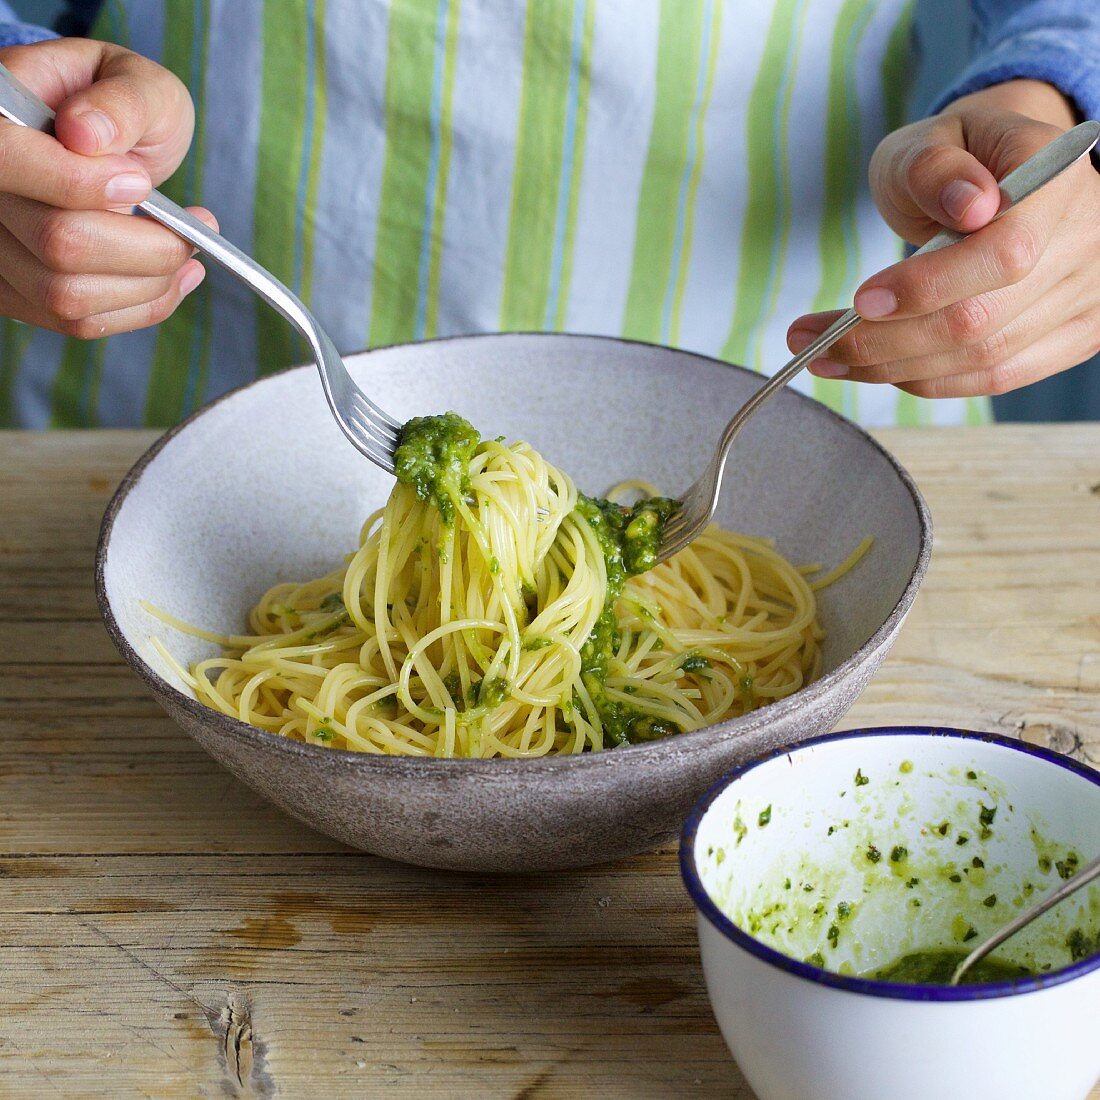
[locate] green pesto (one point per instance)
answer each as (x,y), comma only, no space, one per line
(329,625)
(433,456)
(936,967)
(1081,945)
(1067,867)
(481,694)
(797,908)
(629,538)
(489,693)
(694,663)
(641,538)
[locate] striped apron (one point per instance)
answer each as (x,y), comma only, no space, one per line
(690,172)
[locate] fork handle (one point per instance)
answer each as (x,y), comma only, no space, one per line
(1037,170)
(23,107)
(842,325)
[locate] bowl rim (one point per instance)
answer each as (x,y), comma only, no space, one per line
(906,991)
(490,769)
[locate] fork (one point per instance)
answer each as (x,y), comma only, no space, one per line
(697,504)
(370,430)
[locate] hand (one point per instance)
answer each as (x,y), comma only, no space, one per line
(1015,303)
(72,256)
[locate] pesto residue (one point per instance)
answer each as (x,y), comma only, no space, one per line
(890,880)
(937,966)
(1082,945)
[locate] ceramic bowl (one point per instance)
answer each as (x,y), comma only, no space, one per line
(261,487)
(851,850)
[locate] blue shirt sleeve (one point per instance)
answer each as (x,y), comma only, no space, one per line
(1056,41)
(13,32)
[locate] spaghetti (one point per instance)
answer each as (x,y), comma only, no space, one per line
(492,611)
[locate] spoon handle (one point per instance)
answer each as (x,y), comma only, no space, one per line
(1083,877)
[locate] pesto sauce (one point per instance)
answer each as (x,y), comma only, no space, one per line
(1081,945)
(935,967)
(433,456)
(481,694)
(629,539)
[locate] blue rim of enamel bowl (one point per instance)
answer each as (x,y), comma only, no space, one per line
(868,986)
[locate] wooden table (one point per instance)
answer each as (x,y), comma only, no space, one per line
(164,932)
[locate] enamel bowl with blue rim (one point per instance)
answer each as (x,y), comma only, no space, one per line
(833,881)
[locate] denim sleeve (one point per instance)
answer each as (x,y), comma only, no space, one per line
(1056,41)
(15,33)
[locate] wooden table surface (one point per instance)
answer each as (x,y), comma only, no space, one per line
(164,932)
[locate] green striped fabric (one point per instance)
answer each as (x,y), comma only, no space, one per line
(686,60)
(840,259)
(286,85)
(690,172)
(76,385)
(548,162)
(896,85)
(183,341)
(442,114)
(766,213)
(409,69)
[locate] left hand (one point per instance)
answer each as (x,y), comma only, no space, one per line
(1013,304)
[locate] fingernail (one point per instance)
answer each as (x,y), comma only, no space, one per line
(191,278)
(958,197)
(128,187)
(102,126)
(826,368)
(875,302)
(800,338)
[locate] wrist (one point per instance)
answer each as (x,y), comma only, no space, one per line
(1032,98)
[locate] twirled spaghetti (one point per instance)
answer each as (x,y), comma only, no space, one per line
(491,628)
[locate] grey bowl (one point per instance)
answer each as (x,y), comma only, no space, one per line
(260,487)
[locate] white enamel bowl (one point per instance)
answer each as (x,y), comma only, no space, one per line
(938,825)
(261,487)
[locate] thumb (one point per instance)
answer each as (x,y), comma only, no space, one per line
(131,105)
(923,179)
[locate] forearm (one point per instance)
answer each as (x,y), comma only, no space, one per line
(14,32)
(1032,98)
(1022,43)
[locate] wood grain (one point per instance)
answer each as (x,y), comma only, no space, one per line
(166,933)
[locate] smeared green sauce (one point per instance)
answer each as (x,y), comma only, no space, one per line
(895,879)
(936,967)
(433,457)
(1082,945)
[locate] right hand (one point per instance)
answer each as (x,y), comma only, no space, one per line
(73,258)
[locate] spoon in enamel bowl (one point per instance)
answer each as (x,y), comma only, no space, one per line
(1087,874)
